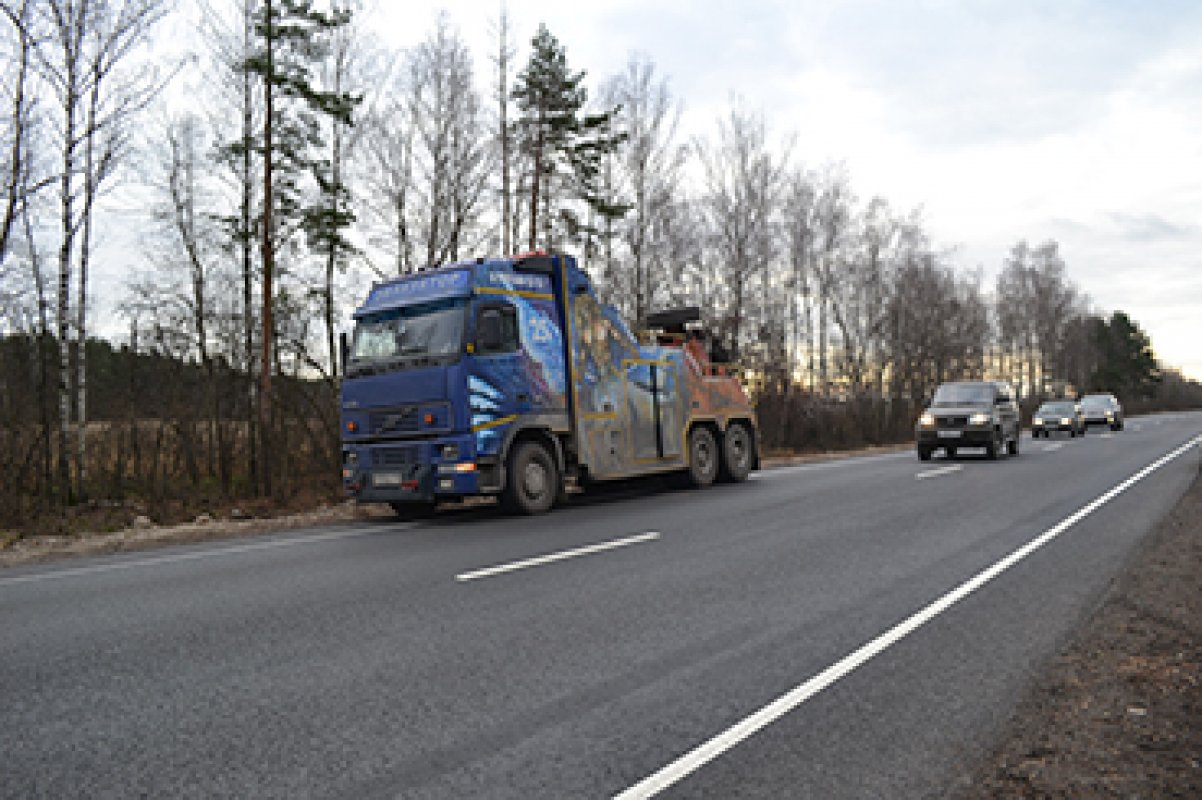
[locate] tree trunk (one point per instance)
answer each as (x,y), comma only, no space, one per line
(268,330)
(66,251)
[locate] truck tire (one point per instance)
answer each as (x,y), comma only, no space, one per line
(703,457)
(531,481)
(924,453)
(737,454)
(1012,445)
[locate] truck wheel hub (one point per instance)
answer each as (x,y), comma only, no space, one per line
(535,479)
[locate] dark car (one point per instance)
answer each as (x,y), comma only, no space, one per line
(1058,415)
(1103,409)
(969,414)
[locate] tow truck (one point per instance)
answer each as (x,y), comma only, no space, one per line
(508,377)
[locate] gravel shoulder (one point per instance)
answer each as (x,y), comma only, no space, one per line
(1119,712)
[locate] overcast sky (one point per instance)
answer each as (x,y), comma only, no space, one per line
(1078,121)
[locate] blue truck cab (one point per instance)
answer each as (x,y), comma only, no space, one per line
(506,377)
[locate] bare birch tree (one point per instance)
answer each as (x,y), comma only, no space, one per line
(744,180)
(81,57)
(651,164)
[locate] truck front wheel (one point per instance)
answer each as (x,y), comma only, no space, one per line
(703,457)
(531,481)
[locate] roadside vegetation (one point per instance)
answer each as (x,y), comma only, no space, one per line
(214,387)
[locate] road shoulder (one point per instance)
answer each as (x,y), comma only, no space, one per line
(1119,712)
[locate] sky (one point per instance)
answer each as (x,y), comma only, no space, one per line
(1075,121)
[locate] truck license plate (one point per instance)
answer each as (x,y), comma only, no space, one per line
(949,434)
(386,479)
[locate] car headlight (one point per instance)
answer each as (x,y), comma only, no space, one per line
(927,420)
(979,418)
(1109,415)
(1065,421)
(1036,420)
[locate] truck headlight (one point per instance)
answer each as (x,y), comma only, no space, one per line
(927,420)
(979,418)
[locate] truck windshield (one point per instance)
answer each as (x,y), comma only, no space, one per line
(958,394)
(408,337)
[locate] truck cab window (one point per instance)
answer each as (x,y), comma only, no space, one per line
(497,331)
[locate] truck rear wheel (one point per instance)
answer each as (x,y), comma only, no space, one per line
(736,453)
(531,482)
(703,457)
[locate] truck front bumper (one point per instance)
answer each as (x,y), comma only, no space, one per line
(414,472)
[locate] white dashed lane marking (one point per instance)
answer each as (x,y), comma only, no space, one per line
(934,473)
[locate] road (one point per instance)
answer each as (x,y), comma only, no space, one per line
(815,632)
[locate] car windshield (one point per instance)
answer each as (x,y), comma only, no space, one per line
(959,394)
(1055,408)
(1098,401)
(410,336)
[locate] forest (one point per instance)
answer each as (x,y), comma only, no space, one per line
(293,156)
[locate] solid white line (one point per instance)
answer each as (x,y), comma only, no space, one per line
(941,471)
(1051,448)
(711,749)
(1107,435)
(179,557)
(560,556)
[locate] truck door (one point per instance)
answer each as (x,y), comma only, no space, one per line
(651,400)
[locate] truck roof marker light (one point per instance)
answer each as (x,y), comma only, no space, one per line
(352,426)
(428,418)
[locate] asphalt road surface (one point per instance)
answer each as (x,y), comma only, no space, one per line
(859,628)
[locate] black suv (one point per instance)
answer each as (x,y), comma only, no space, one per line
(969,414)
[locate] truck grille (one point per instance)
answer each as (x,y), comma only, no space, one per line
(394,456)
(394,420)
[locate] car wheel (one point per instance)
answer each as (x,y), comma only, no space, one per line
(924,453)
(703,457)
(737,449)
(532,481)
(994,446)
(1012,445)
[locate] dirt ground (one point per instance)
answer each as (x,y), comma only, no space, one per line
(1118,714)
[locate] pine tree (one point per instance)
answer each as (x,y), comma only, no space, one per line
(292,38)
(1126,364)
(564,144)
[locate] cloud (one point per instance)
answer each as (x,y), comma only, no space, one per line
(1147,227)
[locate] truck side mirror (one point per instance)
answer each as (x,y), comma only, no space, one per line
(488,331)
